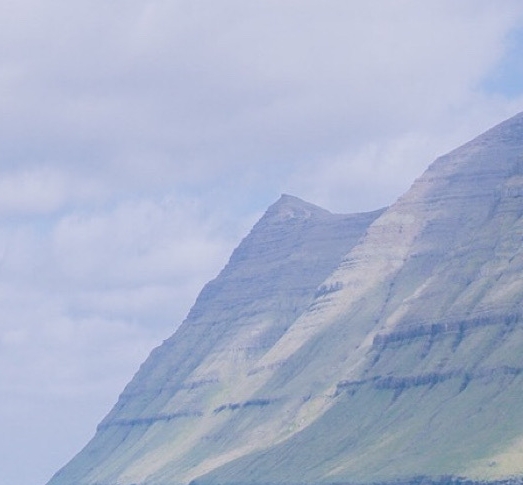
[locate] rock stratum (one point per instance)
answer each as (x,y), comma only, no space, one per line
(384,347)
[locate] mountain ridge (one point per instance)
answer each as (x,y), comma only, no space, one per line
(345,348)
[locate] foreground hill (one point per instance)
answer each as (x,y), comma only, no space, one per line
(363,348)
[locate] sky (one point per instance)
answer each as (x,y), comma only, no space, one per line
(140,141)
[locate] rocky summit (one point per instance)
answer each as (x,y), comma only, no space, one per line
(384,347)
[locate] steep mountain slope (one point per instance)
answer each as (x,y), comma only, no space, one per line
(423,372)
(332,349)
(172,403)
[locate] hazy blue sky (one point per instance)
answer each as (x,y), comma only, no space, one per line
(140,140)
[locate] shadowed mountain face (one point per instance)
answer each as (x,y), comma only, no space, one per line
(363,348)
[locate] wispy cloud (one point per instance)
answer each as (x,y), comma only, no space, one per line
(141,139)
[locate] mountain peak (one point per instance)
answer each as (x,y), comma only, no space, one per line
(289,207)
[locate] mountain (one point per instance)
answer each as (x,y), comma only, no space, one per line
(270,280)
(368,348)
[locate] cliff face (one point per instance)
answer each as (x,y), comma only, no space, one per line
(364,348)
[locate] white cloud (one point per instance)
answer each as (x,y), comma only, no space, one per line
(34,191)
(84,297)
(141,139)
(138,241)
(134,90)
